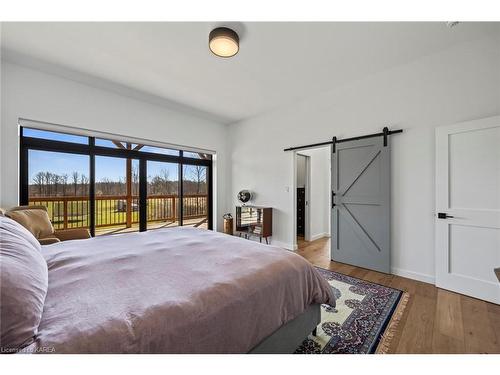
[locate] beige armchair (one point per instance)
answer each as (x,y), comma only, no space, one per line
(36,220)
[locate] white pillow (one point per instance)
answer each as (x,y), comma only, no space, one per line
(17,229)
(23,286)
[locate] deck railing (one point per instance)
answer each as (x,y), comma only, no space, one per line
(73,212)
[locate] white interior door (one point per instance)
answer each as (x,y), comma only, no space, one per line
(468,208)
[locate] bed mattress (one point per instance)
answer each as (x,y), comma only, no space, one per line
(177,290)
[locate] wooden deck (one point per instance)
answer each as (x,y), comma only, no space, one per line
(435,320)
(100,231)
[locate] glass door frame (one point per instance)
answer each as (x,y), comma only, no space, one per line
(90,149)
(96,163)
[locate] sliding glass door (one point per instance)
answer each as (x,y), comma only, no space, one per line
(113,186)
(60,182)
(195,196)
(163,195)
(116,195)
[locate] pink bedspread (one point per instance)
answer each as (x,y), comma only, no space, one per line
(180,290)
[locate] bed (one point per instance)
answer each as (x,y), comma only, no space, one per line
(177,290)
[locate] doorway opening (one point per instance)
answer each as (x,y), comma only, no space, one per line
(312,187)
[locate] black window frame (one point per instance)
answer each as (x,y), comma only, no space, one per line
(90,149)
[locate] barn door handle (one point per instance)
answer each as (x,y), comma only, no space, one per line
(444,215)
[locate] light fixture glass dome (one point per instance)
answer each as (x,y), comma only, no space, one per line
(224,42)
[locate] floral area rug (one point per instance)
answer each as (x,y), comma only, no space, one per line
(364,320)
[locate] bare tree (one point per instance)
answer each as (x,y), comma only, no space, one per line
(84,182)
(55,180)
(105,184)
(120,186)
(199,176)
(165,176)
(48,180)
(74,178)
(38,180)
(135,180)
(64,182)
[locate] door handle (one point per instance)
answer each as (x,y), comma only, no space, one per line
(444,215)
(333,199)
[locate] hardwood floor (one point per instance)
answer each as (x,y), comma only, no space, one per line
(435,320)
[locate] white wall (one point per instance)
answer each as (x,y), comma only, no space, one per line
(319,195)
(458,84)
(32,94)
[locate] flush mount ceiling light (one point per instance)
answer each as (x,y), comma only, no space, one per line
(224,42)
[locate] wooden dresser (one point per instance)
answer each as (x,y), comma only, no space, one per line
(254,221)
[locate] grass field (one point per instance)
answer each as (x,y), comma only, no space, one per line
(108,212)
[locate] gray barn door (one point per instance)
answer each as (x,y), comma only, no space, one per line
(361,203)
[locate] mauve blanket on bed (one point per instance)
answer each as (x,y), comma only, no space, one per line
(179,290)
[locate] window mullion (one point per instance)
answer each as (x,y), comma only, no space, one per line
(92,186)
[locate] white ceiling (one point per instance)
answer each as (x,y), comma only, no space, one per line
(278,63)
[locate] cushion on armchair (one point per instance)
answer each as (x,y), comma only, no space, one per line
(72,234)
(34,218)
(37,221)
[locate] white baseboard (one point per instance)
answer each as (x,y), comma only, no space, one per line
(293,247)
(284,245)
(318,236)
(290,246)
(414,275)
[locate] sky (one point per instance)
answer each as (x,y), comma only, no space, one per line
(105,167)
(110,168)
